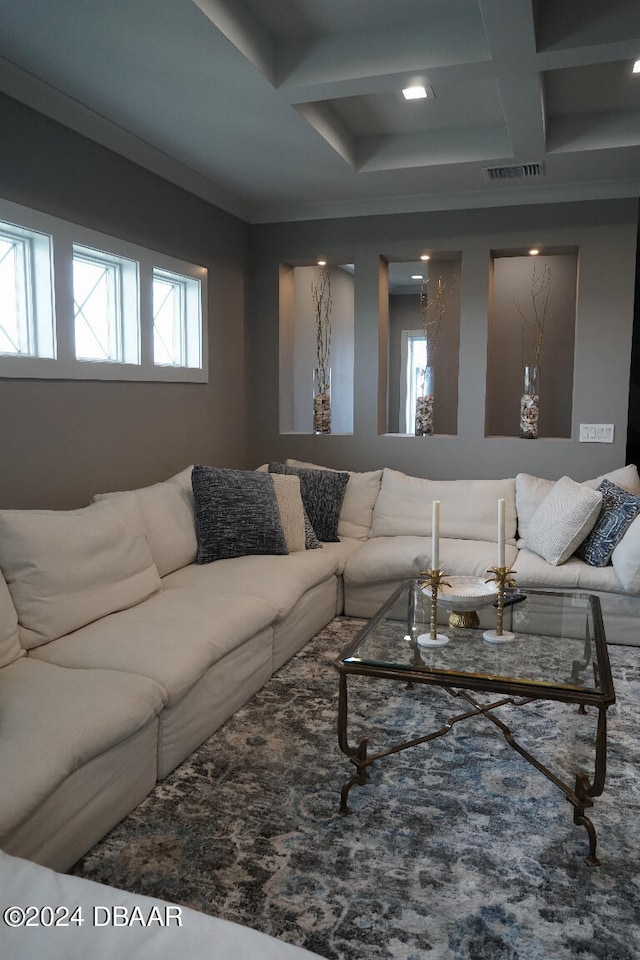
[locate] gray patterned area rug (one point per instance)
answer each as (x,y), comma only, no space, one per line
(454,849)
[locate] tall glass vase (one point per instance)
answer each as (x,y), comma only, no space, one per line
(321,400)
(529,403)
(424,404)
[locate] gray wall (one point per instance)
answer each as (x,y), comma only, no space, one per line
(62,441)
(604,233)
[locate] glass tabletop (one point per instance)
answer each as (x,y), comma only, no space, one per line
(559,646)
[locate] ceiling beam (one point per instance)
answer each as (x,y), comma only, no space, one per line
(244,32)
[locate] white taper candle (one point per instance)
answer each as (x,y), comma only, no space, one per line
(435,535)
(501,504)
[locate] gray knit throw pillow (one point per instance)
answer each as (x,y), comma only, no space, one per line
(322,495)
(236,514)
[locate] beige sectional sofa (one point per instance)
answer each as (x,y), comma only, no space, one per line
(96,922)
(119,654)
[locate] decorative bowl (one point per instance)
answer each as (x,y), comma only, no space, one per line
(465,593)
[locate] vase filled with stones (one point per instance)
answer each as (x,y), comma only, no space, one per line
(529,403)
(424,404)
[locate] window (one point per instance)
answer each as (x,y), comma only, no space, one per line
(413,364)
(26,319)
(176,319)
(105,306)
(110,310)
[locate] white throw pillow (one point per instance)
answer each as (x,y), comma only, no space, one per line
(359,500)
(67,568)
(10,648)
(169,519)
(626,558)
(562,520)
(468,508)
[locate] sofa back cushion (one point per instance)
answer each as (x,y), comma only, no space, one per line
(531,491)
(169,519)
(468,508)
(67,568)
(10,648)
(360,496)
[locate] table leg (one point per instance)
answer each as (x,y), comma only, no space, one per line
(586,791)
(357,754)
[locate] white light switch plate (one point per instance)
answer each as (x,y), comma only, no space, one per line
(596,432)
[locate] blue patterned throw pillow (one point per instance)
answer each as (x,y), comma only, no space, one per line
(618,509)
(236,514)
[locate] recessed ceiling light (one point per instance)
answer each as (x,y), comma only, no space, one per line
(426,256)
(636,67)
(417,276)
(414,93)
(534,252)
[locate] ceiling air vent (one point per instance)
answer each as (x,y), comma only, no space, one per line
(516,171)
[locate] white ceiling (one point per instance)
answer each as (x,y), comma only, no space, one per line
(291,109)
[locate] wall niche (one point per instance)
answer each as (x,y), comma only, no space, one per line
(424,294)
(532,320)
(299,345)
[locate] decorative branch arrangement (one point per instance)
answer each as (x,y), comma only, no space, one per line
(435,294)
(433,310)
(321,295)
(533,323)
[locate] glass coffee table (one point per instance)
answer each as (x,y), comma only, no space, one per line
(559,653)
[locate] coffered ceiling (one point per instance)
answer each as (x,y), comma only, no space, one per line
(292,109)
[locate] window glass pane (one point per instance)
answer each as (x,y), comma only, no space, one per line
(16,335)
(168,322)
(95,309)
(416,363)
(11,339)
(177,320)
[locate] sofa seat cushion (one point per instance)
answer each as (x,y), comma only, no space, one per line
(55,720)
(173,638)
(198,936)
(468,508)
(533,571)
(392,559)
(66,568)
(10,648)
(169,520)
(279,581)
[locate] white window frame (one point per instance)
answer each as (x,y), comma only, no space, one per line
(124,320)
(137,365)
(35,290)
(188,320)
